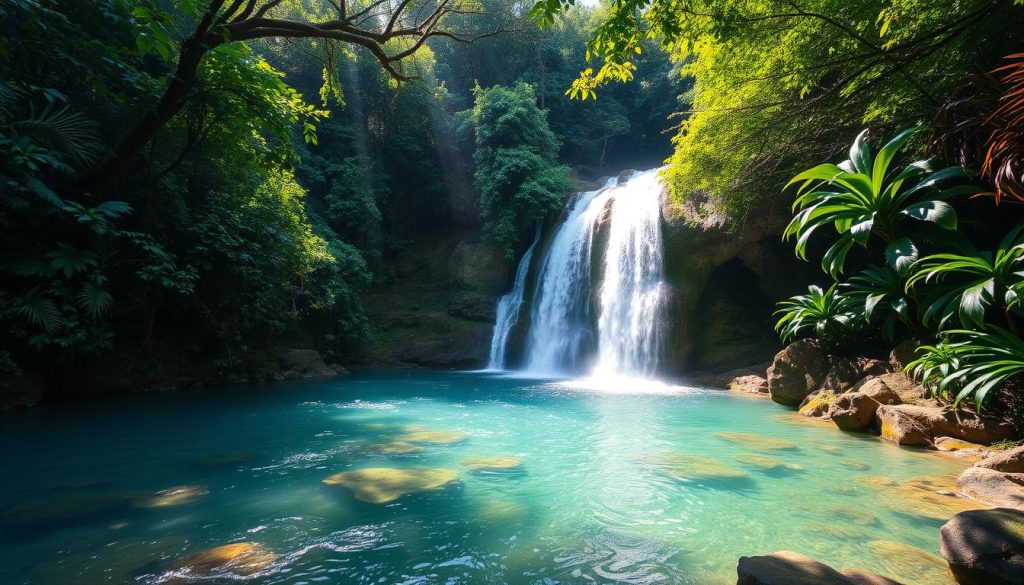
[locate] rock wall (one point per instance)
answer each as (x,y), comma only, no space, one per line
(439,311)
(725,274)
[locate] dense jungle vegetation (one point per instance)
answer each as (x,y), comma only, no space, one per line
(198,182)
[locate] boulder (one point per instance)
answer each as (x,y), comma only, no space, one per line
(904,353)
(985,547)
(787,568)
(1010,461)
(845,373)
(817,404)
(796,371)
(855,411)
(304,364)
(907,424)
(749,384)
(908,391)
(992,487)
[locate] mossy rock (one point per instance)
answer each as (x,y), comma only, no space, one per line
(433,437)
(686,466)
(240,558)
(173,496)
(757,442)
(382,485)
(493,463)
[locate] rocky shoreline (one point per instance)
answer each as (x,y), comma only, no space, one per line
(861,394)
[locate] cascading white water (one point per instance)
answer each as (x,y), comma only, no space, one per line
(629,324)
(560,328)
(508,309)
(630,327)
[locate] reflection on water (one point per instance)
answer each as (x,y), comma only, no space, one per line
(452,478)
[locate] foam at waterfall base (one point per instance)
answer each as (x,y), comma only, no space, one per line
(621,384)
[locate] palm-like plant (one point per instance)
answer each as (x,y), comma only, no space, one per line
(825,313)
(990,278)
(860,197)
(880,291)
(971,362)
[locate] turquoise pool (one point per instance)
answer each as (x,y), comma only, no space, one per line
(530,482)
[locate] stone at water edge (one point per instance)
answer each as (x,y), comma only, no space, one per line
(908,424)
(846,373)
(790,568)
(749,384)
(817,404)
(797,371)
(240,558)
(382,485)
(909,391)
(992,487)
(985,547)
(1010,461)
(855,411)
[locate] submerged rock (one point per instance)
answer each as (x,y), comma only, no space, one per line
(787,568)
(173,496)
(433,437)
(985,547)
(861,577)
(57,513)
(240,558)
(908,424)
(992,487)
(381,485)
(686,466)
(757,442)
(797,371)
(495,463)
(306,364)
(395,448)
(766,463)
(909,563)
(855,411)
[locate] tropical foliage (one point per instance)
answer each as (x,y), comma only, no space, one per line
(821,313)
(517,175)
(970,363)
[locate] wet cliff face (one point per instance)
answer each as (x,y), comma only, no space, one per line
(725,275)
(439,310)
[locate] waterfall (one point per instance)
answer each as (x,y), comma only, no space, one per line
(508,309)
(625,337)
(630,328)
(560,330)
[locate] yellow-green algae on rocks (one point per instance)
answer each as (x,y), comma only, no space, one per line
(766,463)
(240,558)
(173,496)
(695,467)
(382,485)
(432,437)
(492,463)
(757,442)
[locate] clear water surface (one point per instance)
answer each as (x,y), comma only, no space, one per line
(611,486)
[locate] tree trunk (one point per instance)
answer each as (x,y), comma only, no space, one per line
(104,179)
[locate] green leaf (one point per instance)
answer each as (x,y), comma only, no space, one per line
(938,212)
(901,254)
